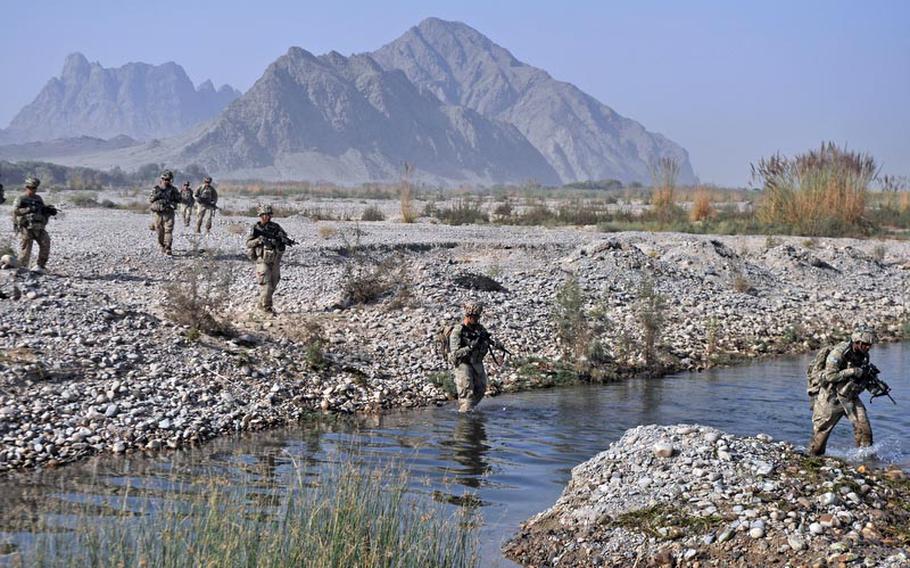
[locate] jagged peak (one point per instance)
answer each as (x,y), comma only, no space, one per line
(206,86)
(74,66)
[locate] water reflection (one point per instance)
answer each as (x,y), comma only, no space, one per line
(468,447)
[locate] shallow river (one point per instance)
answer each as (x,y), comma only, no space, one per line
(513,456)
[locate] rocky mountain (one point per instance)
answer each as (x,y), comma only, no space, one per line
(580,137)
(138,100)
(348,120)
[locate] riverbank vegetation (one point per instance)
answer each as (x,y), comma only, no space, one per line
(829,191)
(343,518)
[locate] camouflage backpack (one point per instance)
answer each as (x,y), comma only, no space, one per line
(442,342)
(815,370)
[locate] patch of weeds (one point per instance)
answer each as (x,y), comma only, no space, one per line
(198,296)
(372,213)
(579,331)
(493,271)
(465,211)
(6,248)
(445,381)
(650,312)
(652,519)
(771,242)
(879,252)
(793,334)
(236,229)
(811,243)
(365,282)
(742,284)
(711,329)
(327,231)
(312,335)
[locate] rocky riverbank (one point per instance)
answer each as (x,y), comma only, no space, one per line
(691,495)
(89,362)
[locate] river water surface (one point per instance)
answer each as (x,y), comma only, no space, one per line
(512,457)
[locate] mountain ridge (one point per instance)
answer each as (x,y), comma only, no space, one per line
(137,99)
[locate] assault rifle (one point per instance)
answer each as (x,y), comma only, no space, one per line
(272,240)
(873,384)
(494,345)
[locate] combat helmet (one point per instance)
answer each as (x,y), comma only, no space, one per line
(32,182)
(473,309)
(207,179)
(167,175)
(186,184)
(863,335)
(264,209)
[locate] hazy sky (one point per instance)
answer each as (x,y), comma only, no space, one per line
(730,81)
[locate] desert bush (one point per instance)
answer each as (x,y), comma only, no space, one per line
(579,330)
(742,284)
(504,209)
(650,311)
(372,213)
(822,192)
(465,211)
(198,296)
(364,281)
(879,252)
(237,229)
(327,231)
(702,207)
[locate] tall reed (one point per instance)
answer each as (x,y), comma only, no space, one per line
(820,192)
(349,518)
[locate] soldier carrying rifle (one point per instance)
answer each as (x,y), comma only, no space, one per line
(835,385)
(30,217)
(265,246)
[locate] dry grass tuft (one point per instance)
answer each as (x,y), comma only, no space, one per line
(702,206)
(327,231)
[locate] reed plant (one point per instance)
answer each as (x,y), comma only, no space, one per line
(702,206)
(349,517)
(821,192)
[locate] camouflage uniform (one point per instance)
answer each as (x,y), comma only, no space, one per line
(839,397)
(206,203)
(468,345)
(30,217)
(2,196)
(164,201)
(186,203)
(266,246)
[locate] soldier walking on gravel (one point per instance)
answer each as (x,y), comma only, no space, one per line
(186,203)
(840,384)
(164,199)
(30,217)
(469,343)
(206,203)
(265,245)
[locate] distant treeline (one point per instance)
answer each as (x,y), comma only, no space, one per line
(13,174)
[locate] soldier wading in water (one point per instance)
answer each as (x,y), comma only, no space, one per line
(469,343)
(30,217)
(836,388)
(265,245)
